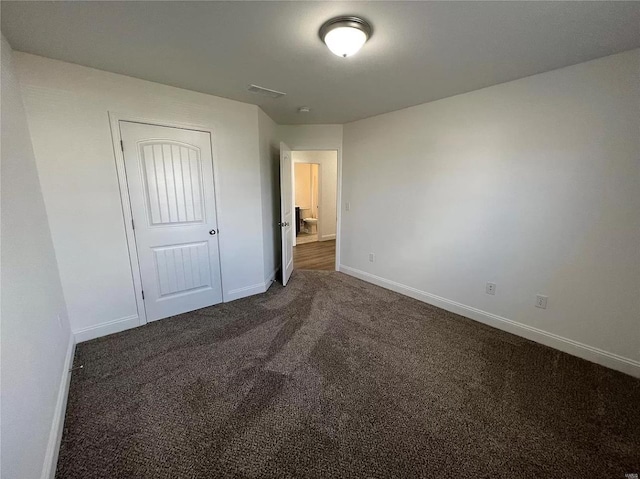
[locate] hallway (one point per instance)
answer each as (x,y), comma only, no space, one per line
(317,255)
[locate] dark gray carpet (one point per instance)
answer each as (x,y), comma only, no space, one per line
(333,377)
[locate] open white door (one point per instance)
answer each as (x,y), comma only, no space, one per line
(286,211)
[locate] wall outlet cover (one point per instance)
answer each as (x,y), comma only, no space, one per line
(491,288)
(541,301)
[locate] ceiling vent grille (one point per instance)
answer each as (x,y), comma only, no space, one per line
(258,90)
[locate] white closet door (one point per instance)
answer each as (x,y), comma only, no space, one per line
(171,188)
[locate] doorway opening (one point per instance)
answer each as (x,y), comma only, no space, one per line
(306,177)
(314,187)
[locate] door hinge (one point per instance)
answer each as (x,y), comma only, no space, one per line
(142,294)
(133,225)
(121,145)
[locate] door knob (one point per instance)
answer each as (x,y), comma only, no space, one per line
(212,232)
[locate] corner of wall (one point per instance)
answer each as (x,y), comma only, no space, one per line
(569,346)
(32,299)
(269,185)
(469,165)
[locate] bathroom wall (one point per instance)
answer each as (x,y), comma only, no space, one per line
(328,180)
(306,188)
(313,179)
(302,175)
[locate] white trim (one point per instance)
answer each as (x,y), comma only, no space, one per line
(55,434)
(104,329)
(337,149)
(339,204)
(327,237)
(116,138)
(575,348)
(239,293)
(114,121)
(270,279)
(259,288)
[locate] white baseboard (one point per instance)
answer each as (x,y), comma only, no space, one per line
(128,322)
(327,237)
(239,293)
(55,435)
(584,351)
(104,329)
(269,281)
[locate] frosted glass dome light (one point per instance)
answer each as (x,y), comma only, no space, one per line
(345,36)
(345,41)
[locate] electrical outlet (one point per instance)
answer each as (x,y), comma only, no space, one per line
(372,257)
(541,301)
(491,288)
(347,206)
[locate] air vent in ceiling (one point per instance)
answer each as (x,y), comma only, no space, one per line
(265,91)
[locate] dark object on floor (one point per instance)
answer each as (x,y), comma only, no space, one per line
(332,377)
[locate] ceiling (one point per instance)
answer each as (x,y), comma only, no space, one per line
(419,51)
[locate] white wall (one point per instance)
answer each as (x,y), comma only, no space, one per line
(36,338)
(532,184)
(311,137)
(328,161)
(67,108)
(270,193)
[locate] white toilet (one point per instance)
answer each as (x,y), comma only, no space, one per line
(311,225)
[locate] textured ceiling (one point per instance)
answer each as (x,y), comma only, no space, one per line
(419,51)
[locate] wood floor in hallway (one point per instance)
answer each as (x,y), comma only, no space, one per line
(317,255)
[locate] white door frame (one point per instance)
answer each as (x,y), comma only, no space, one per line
(338,151)
(114,123)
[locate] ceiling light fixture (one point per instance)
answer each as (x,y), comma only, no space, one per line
(344,36)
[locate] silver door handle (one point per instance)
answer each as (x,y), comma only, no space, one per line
(212,232)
